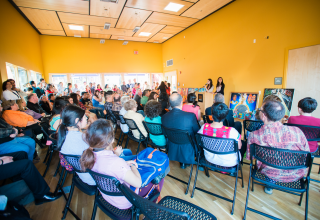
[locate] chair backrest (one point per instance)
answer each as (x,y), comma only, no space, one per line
(281,158)
(153,128)
(177,136)
(106,184)
(44,128)
(122,121)
(217,145)
(250,125)
(133,126)
(149,209)
(111,116)
(74,161)
(312,133)
(116,115)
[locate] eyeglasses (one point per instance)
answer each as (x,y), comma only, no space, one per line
(259,109)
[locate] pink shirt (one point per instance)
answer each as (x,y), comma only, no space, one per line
(110,164)
(306,120)
(190,108)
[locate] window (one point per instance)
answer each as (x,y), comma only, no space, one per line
(79,79)
(112,80)
(23,78)
(156,78)
(11,71)
(56,79)
(140,78)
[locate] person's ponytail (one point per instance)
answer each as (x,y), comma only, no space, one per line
(87,159)
(62,133)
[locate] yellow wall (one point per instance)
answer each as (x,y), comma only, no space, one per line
(19,42)
(222,44)
(83,55)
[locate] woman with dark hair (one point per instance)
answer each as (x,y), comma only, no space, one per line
(168,89)
(152,111)
(99,87)
(192,106)
(209,86)
(220,86)
(58,105)
(49,89)
(8,93)
(96,99)
(45,104)
(305,108)
(107,88)
(153,96)
(76,101)
(75,98)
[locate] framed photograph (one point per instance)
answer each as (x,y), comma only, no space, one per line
(285,95)
(243,103)
(200,97)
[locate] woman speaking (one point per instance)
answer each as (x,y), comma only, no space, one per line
(220,86)
(209,86)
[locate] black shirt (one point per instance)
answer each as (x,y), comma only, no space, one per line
(85,101)
(35,107)
(46,107)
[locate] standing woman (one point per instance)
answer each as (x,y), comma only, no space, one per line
(220,86)
(209,86)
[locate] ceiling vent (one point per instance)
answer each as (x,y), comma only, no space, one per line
(170,62)
(102,41)
(136,29)
(125,43)
(111,1)
(107,26)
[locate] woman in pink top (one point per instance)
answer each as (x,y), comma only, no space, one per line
(192,106)
(305,107)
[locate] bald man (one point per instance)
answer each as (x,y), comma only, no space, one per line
(178,119)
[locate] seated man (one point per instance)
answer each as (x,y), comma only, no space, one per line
(178,119)
(35,89)
(231,123)
(274,134)
(16,164)
(145,96)
(305,108)
(108,105)
(219,112)
(116,103)
(33,103)
(137,98)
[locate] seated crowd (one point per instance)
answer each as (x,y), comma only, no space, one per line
(79,116)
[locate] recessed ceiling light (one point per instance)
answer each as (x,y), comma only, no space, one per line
(120,39)
(156,42)
(77,35)
(75,27)
(173,7)
(165,38)
(145,34)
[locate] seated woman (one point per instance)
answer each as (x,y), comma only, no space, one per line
(58,105)
(124,127)
(101,158)
(216,129)
(96,99)
(49,90)
(305,108)
(23,108)
(11,141)
(153,96)
(153,110)
(76,101)
(45,104)
(131,108)
(192,106)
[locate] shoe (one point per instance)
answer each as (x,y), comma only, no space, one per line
(268,190)
(49,197)
(184,166)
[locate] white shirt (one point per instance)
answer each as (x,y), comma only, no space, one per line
(11,95)
(210,90)
(124,128)
(146,87)
(75,90)
(228,160)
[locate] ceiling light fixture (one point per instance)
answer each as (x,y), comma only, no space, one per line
(173,7)
(145,34)
(76,28)
(155,42)
(136,29)
(120,39)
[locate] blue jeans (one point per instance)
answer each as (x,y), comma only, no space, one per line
(127,155)
(26,144)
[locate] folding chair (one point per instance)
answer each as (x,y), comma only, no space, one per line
(117,124)
(312,133)
(90,190)
(283,160)
(220,146)
(251,125)
(156,130)
(181,137)
(132,127)
(168,208)
(123,122)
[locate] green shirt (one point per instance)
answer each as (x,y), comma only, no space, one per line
(144,100)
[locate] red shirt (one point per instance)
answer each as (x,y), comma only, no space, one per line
(306,120)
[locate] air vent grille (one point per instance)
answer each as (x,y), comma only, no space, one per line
(170,62)
(112,1)
(136,29)
(107,26)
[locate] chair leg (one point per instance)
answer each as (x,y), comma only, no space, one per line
(301,197)
(189,179)
(319,170)
(48,163)
(241,176)
(195,180)
(122,139)
(65,211)
(58,166)
(119,138)
(94,211)
(247,199)
(47,154)
(125,147)
(235,192)
(252,185)
(307,201)
(138,147)
(207,171)
(62,175)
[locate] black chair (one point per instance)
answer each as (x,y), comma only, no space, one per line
(220,146)
(156,130)
(106,184)
(181,137)
(123,122)
(117,124)
(251,125)
(133,127)
(168,208)
(207,119)
(74,161)
(312,133)
(283,160)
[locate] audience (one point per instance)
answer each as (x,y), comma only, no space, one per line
(45,104)
(137,96)
(34,114)
(68,90)
(305,108)
(192,106)
(96,99)
(124,87)
(153,110)
(217,129)
(153,96)
(145,96)
(117,106)
(35,89)
(274,134)
(178,119)
(58,106)
(107,88)
(8,93)
(123,111)
(33,103)
(99,88)
(14,88)
(108,105)
(131,108)
(49,89)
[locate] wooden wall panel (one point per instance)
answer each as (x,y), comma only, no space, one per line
(149,28)
(85,19)
(160,37)
(158,5)
(204,7)
(84,33)
(112,31)
(43,19)
(75,6)
(106,9)
(132,17)
(171,30)
(52,32)
(173,20)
